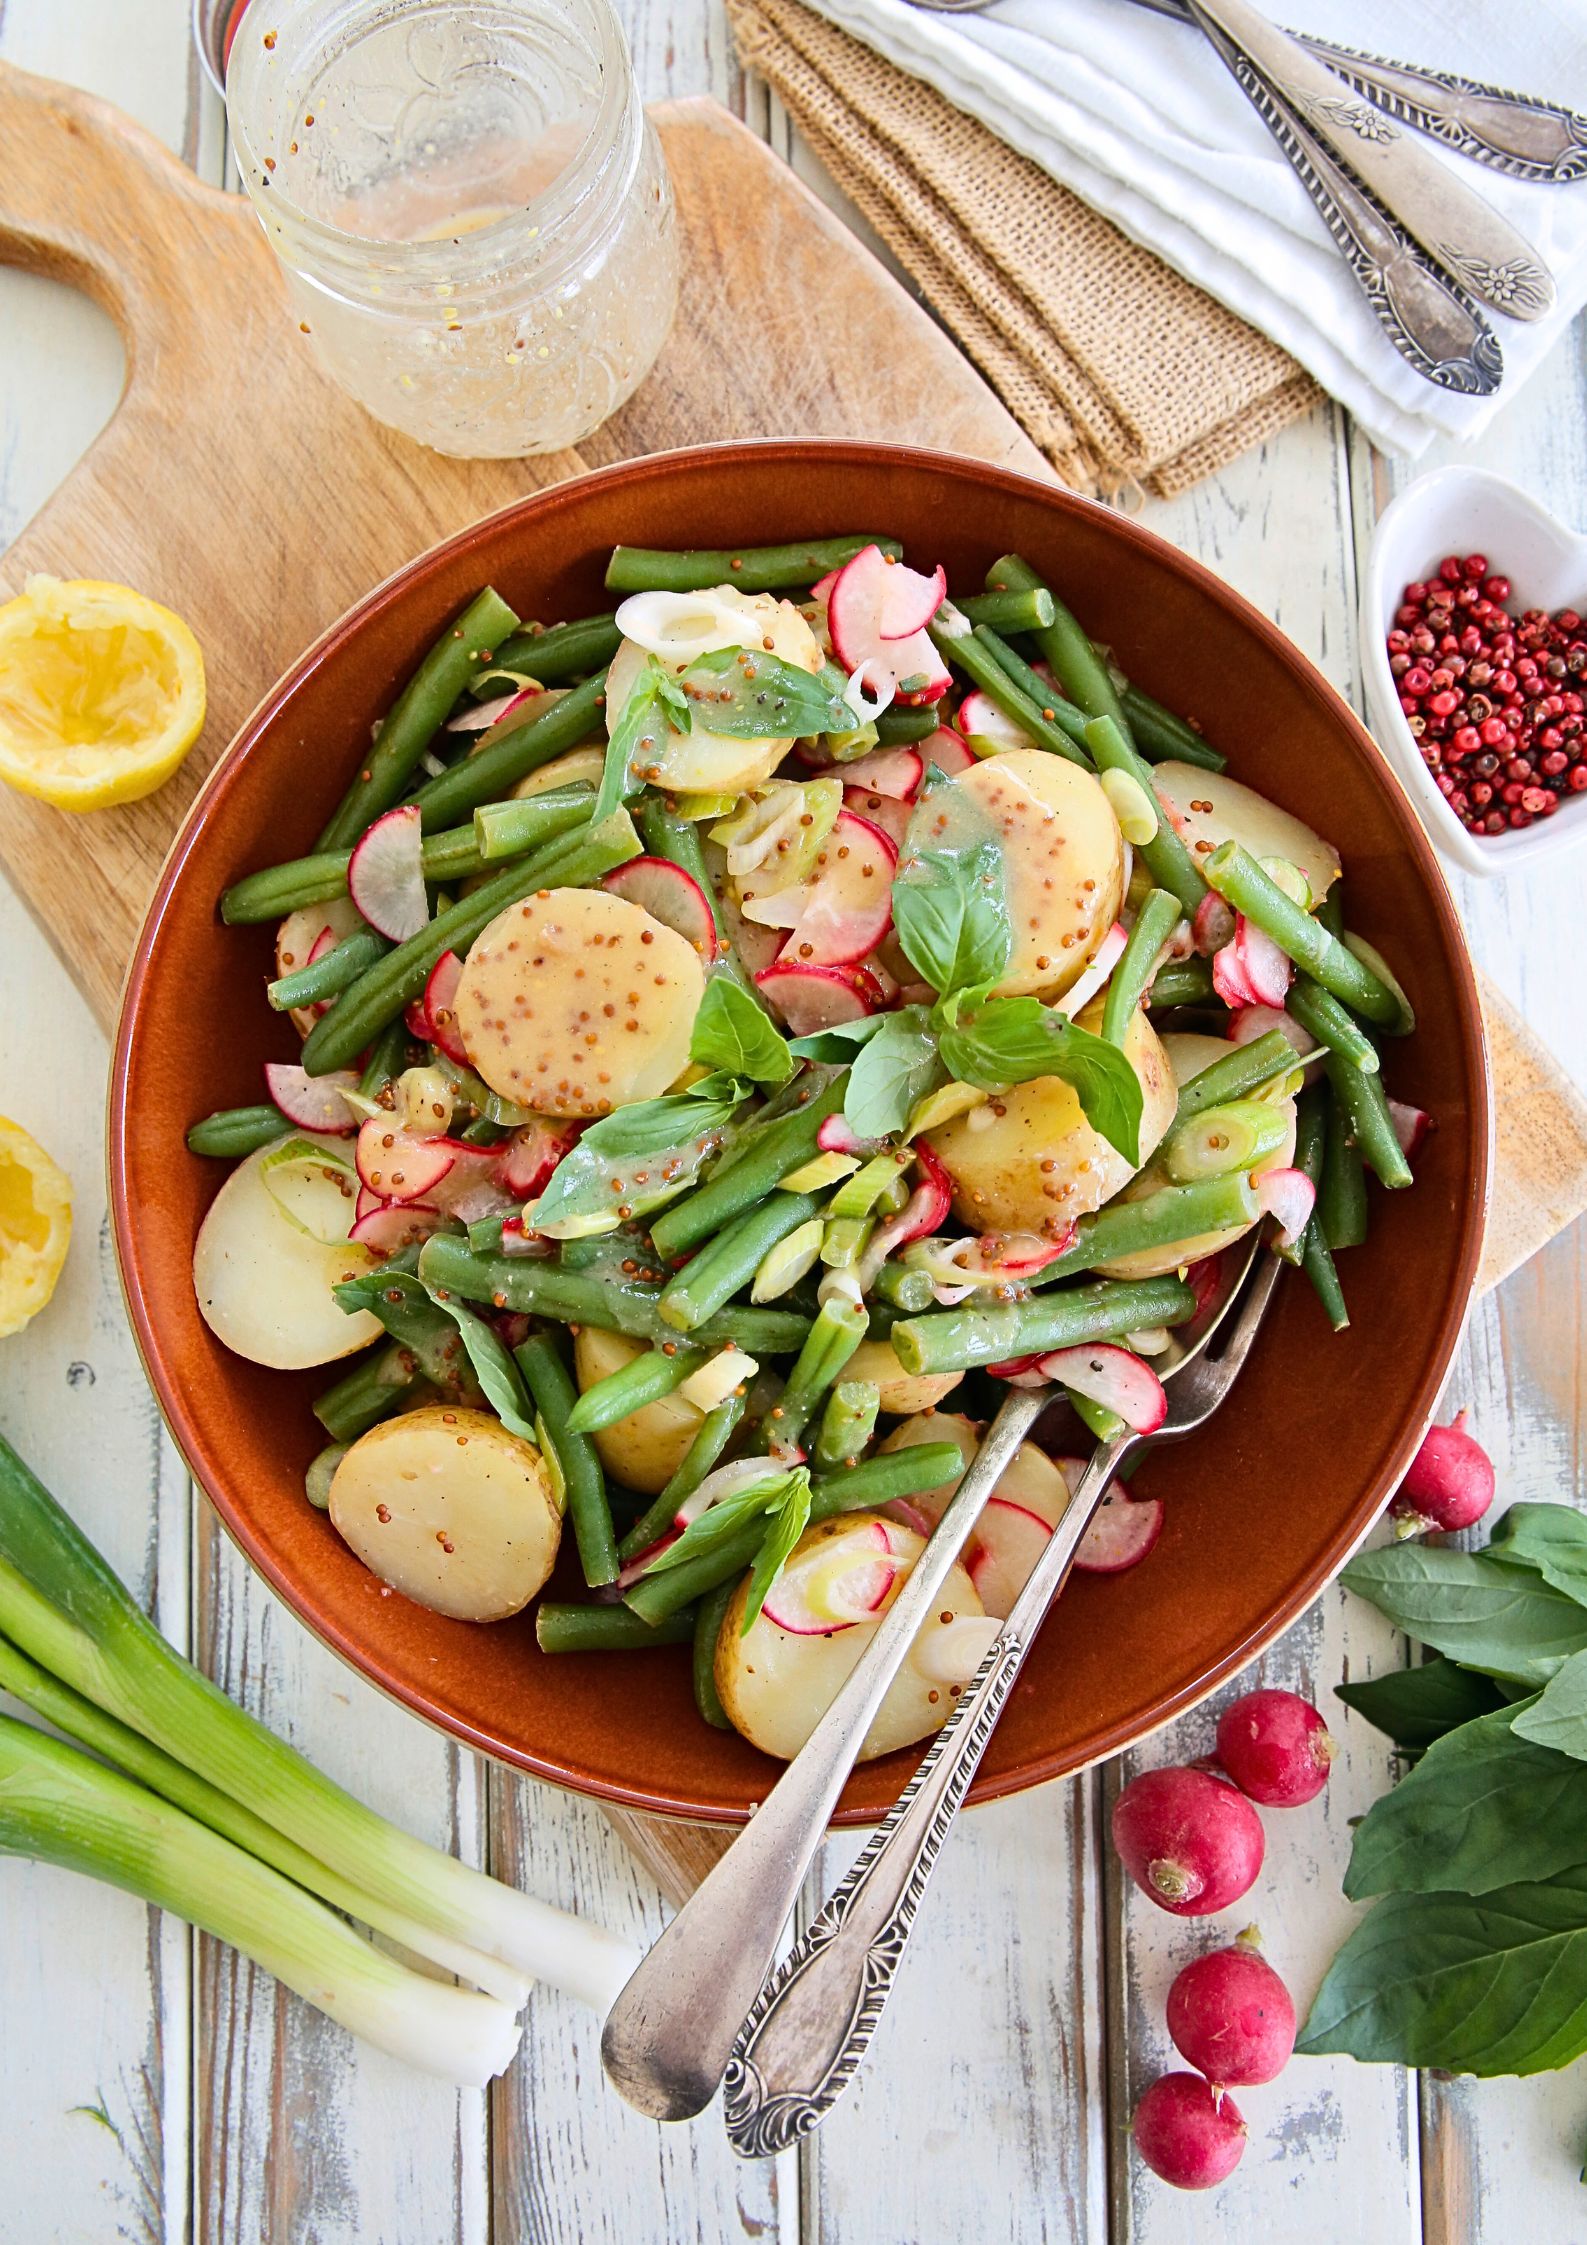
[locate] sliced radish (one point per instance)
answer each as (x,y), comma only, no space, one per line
(385,875)
(472,1188)
(517,1239)
(909,1516)
(397,1165)
(525,1161)
(836,1136)
(1203,1278)
(1109,952)
(821,590)
(1213,924)
(1111,1376)
(980,715)
(946,749)
(923,1213)
(1252,1022)
(1122,1531)
(1267,970)
(879,810)
(439,1008)
(864,614)
(387,1226)
(1019,1371)
(314,1102)
(644,1560)
(849,906)
(812,998)
(893,772)
(856,599)
(1289,1196)
(669,895)
(1008,1542)
(1411,1125)
(417,1022)
(845,1581)
(485,714)
(909,600)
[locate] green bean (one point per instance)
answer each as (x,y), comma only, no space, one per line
(989,663)
(276,890)
(234,1131)
(1311,1133)
(563,1628)
(1322,1016)
(570,862)
(722,1269)
(709,1616)
(560,652)
(1164,738)
(1032,609)
(504,830)
(514,749)
(1317,1262)
(331,973)
(1155,922)
(857,1488)
(901,723)
(1078,668)
(589,1508)
(320,1472)
(1165,856)
(376,1386)
(901,1287)
(1096,1418)
(417,715)
(642,1380)
(765,1155)
(388,1057)
(539,1289)
(1331,911)
(847,1423)
(837,1332)
(746,569)
(1235,874)
(1181,982)
(1242,1070)
(1156,1220)
(1365,1107)
(954,1340)
(711,1438)
(668,834)
(1342,1189)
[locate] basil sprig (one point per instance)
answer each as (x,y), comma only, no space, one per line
(751,695)
(672,1137)
(655,706)
(782,1496)
(731,1032)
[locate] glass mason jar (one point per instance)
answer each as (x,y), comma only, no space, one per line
(470,206)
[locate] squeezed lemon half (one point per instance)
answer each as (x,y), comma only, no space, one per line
(35,1226)
(101,693)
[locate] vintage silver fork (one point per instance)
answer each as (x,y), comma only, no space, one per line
(809,2028)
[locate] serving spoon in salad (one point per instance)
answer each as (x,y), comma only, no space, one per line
(701,1996)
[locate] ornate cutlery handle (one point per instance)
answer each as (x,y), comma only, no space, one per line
(811,2024)
(1508,132)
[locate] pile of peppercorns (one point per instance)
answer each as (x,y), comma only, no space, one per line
(1494,701)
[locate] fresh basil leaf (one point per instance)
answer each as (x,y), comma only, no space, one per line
(751,695)
(416,1321)
(1552,1538)
(1003,1041)
(500,1380)
(838,1043)
(1504,1621)
(792,1519)
(1558,1719)
(720,1522)
(1488,1984)
(950,891)
(636,738)
(672,1137)
(1415,1706)
(673,700)
(891,1074)
(731,1032)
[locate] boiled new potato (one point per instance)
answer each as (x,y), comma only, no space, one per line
(703,763)
(1029,1480)
(775,1685)
(264,1282)
(1187,1056)
(1207,808)
(297,936)
(574,1002)
(578,765)
(644,1450)
(451,1509)
(1064,857)
(1029,1161)
(900,1391)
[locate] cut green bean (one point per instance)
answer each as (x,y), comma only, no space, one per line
(376,1386)
(709,1616)
(330,974)
(955,1340)
(1181,982)
(560,652)
(764,1157)
(561,1628)
(1242,1070)
(589,1508)
(1311,1134)
(276,890)
(712,1437)
(1236,876)
(235,1131)
(417,715)
(320,1472)
(1079,669)
(990,663)
(1322,1016)
(726,1265)
(1005,612)
(847,1424)
(389,1055)
(642,1380)
(1366,1110)
(1342,1189)
(903,1288)
(520,746)
(1155,922)
(901,723)
(1165,856)
(572,861)
(837,1332)
(668,834)
(1157,1220)
(1164,738)
(1096,1418)
(747,568)
(1317,1262)
(504,830)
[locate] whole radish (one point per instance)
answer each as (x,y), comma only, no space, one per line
(1450,1484)
(1188,1840)
(1276,1747)
(1230,2014)
(1187,2134)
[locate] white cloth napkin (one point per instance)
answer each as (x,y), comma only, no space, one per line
(1136,113)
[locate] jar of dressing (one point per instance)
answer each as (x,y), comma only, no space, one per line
(469,204)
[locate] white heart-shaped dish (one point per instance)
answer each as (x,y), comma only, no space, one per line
(1466,510)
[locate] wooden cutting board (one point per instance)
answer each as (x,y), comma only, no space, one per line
(237,484)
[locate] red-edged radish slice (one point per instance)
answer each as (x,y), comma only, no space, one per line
(1019,1254)
(910,1516)
(822,588)
(837,1136)
(485,714)
(1202,1278)
(893,772)
(1008,1542)
(472,1188)
(1213,925)
(946,749)
(849,906)
(1411,1125)
(1020,1371)
(417,1022)
(812,998)
(439,1007)
(526,1160)
(874,967)
(313,1102)
(909,600)
(1252,1022)
(835,1589)
(919,671)
(1268,970)
(1229,978)
(385,875)
(1109,952)
(1111,1376)
(517,1239)
(396,1165)
(879,810)
(390,1225)
(925,1211)
(980,715)
(669,895)
(1121,1532)
(641,1563)
(1288,1196)
(855,601)
(860,611)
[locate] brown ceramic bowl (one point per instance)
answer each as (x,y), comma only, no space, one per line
(1262,1508)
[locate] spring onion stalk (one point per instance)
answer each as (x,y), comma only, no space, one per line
(62,1605)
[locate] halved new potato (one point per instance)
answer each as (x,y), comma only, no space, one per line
(775,1685)
(1207,808)
(579,764)
(573,1002)
(702,763)
(1064,858)
(451,1509)
(900,1391)
(644,1450)
(264,1282)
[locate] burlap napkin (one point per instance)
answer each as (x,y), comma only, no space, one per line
(1120,371)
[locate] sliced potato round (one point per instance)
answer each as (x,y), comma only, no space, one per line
(775,1686)
(1029,1161)
(298,934)
(901,1392)
(574,1002)
(644,1450)
(702,763)
(579,764)
(451,1509)
(1064,857)
(264,1282)
(1209,808)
